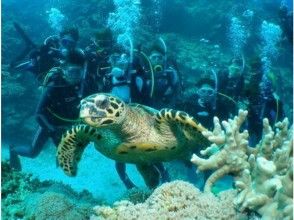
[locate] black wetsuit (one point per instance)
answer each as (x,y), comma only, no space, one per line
(165,89)
(260,108)
(41,60)
(97,67)
(59,101)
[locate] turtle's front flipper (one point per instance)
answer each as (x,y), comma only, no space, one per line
(150,174)
(72,146)
(186,123)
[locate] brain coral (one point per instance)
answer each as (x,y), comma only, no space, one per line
(174,200)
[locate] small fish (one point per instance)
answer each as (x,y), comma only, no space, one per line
(204,40)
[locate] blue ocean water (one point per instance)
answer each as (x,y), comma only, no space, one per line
(199,57)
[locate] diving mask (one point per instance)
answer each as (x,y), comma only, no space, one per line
(156,58)
(206,95)
(68,42)
(205,92)
(119,60)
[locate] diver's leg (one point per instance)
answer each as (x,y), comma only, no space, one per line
(14,159)
(121,170)
(150,175)
(38,143)
(163,172)
(28,151)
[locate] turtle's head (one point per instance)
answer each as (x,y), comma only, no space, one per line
(102,110)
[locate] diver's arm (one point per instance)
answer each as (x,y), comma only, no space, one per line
(173,82)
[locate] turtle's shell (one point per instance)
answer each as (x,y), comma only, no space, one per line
(129,133)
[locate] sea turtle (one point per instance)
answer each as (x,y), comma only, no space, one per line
(130,133)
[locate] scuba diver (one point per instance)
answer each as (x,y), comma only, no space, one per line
(126,78)
(263,101)
(98,65)
(69,37)
(58,107)
(126,82)
(286,20)
(162,80)
(50,54)
(232,79)
(203,101)
(41,58)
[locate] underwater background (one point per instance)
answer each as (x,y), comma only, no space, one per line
(200,35)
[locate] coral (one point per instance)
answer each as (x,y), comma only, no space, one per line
(174,200)
(136,195)
(52,205)
(19,99)
(263,175)
(228,151)
(27,198)
(15,186)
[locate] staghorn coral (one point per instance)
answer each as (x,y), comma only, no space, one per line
(228,150)
(174,200)
(263,175)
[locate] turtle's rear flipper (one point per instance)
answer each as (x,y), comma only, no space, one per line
(71,147)
(150,175)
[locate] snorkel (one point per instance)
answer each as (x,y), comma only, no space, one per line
(165,52)
(215,87)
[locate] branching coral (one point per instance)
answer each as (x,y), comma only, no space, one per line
(228,151)
(263,175)
(175,200)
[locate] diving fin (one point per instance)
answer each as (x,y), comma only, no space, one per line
(29,45)
(24,36)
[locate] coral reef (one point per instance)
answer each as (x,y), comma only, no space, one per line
(263,175)
(27,198)
(136,195)
(14,189)
(174,200)
(19,99)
